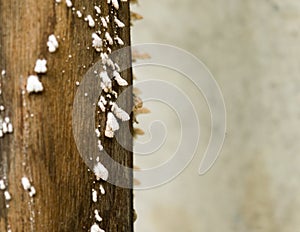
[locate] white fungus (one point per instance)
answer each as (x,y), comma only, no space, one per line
(69,3)
(7,195)
(94,195)
(121,114)
(119,79)
(108,38)
(25,183)
(90,21)
(105,79)
(3,73)
(100,172)
(97,9)
(100,145)
(97,42)
(97,131)
(34,84)
(52,43)
(112,125)
(119,22)
(32,191)
(40,66)
(115,4)
(96,228)
(119,40)
(103,21)
(79,14)
(102,190)
(2,185)
(97,216)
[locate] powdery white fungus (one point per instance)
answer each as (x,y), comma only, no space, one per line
(97,42)
(97,131)
(103,21)
(3,72)
(90,20)
(115,4)
(112,125)
(25,183)
(100,172)
(32,191)
(119,22)
(69,3)
(97,9)
(96,228)
(121,114)
(100,145)
(7,196)
(79,14)
(105,79)
(119,79)
(2,108)
(94,195)
(97,216)
(108,38)
(102,190)
(2,185)
(40,66)
(77,83)
(119,40)
(34,84)
(10,128)
(52,43)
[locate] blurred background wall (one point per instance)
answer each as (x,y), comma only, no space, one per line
(252,47)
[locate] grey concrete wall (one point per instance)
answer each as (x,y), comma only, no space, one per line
(252,47)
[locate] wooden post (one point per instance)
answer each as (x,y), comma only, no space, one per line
(42,146)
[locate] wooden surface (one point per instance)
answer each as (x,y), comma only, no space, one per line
(42,145)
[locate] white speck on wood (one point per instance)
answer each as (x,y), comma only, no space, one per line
(108,38)
(94,195)
(112,125)
(102,190)
(119,79)
(115,4)
(121,114)
(97,9)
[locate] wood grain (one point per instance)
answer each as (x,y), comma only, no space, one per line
(42,145)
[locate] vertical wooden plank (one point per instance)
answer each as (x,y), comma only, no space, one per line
(42,147)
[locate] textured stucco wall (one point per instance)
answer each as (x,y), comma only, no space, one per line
(252,47)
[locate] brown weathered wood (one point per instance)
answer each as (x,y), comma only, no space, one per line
(42,145)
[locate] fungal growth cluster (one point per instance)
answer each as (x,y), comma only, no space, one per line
(6,126)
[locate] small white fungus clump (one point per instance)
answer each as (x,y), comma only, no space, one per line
(34,84)
(112,125)
(69,3)
(119,79)
(40,66)
(97,216)
(115,4)
(90,20)
(97,9)
(2,185)
(96,228)
(101,172)
(119,22)
(108,38)
(32,191)
(121,114)
(52,43)
(7,196)
(25,183)
(94,195)
(97,42)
